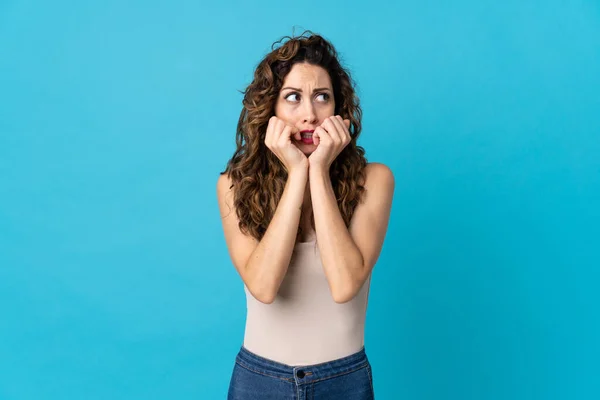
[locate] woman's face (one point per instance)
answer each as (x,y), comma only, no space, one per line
(305,100)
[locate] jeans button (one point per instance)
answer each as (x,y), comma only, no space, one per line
(300,374)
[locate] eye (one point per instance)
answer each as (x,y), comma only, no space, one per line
(291,94)
(325,96)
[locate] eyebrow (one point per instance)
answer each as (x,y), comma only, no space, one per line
(314,90)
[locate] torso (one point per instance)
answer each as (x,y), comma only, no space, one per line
(307,237)
(308,233)
(304,325)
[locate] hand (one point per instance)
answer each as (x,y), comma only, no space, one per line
(330,137)
(278,140)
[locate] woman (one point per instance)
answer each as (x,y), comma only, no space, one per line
(304,217)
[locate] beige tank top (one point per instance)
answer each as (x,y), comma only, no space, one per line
(303,325)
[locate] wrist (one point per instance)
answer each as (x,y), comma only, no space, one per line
(299,171)
(319,170)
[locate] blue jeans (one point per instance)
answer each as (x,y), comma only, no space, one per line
(258,378)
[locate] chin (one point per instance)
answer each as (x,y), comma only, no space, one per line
(307,148)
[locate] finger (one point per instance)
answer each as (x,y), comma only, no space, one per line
(269,133)
(285,134)
(319,134)
(316,136)
(341,124)
(279,125)
(292,131)
(332,129)
(341,129)
(295,132)
(345,123)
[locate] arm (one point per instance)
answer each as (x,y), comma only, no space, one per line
(349,254)
(263,264)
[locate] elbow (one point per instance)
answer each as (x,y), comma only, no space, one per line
(266,299)
(347,288)
(264,296)
(345,292)
(341,297)
(263,290)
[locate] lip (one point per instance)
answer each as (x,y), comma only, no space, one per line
(307,131)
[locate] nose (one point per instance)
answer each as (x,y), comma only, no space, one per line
(310,116)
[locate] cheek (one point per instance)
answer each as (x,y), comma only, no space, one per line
(277,110)
(325,114)
(284,113)
(327,110)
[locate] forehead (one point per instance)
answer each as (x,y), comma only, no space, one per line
(303,74)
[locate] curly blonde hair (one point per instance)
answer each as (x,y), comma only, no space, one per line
(257,175)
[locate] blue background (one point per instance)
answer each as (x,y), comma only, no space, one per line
(115,119)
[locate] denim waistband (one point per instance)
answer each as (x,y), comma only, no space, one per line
(302,373)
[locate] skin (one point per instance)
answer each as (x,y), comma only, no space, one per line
(306,102)
(348,254)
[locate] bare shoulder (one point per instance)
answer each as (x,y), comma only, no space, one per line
(224,190)
(224,195)
(378,174)
(223,183)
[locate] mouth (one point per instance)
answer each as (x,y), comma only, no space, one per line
(306,136)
